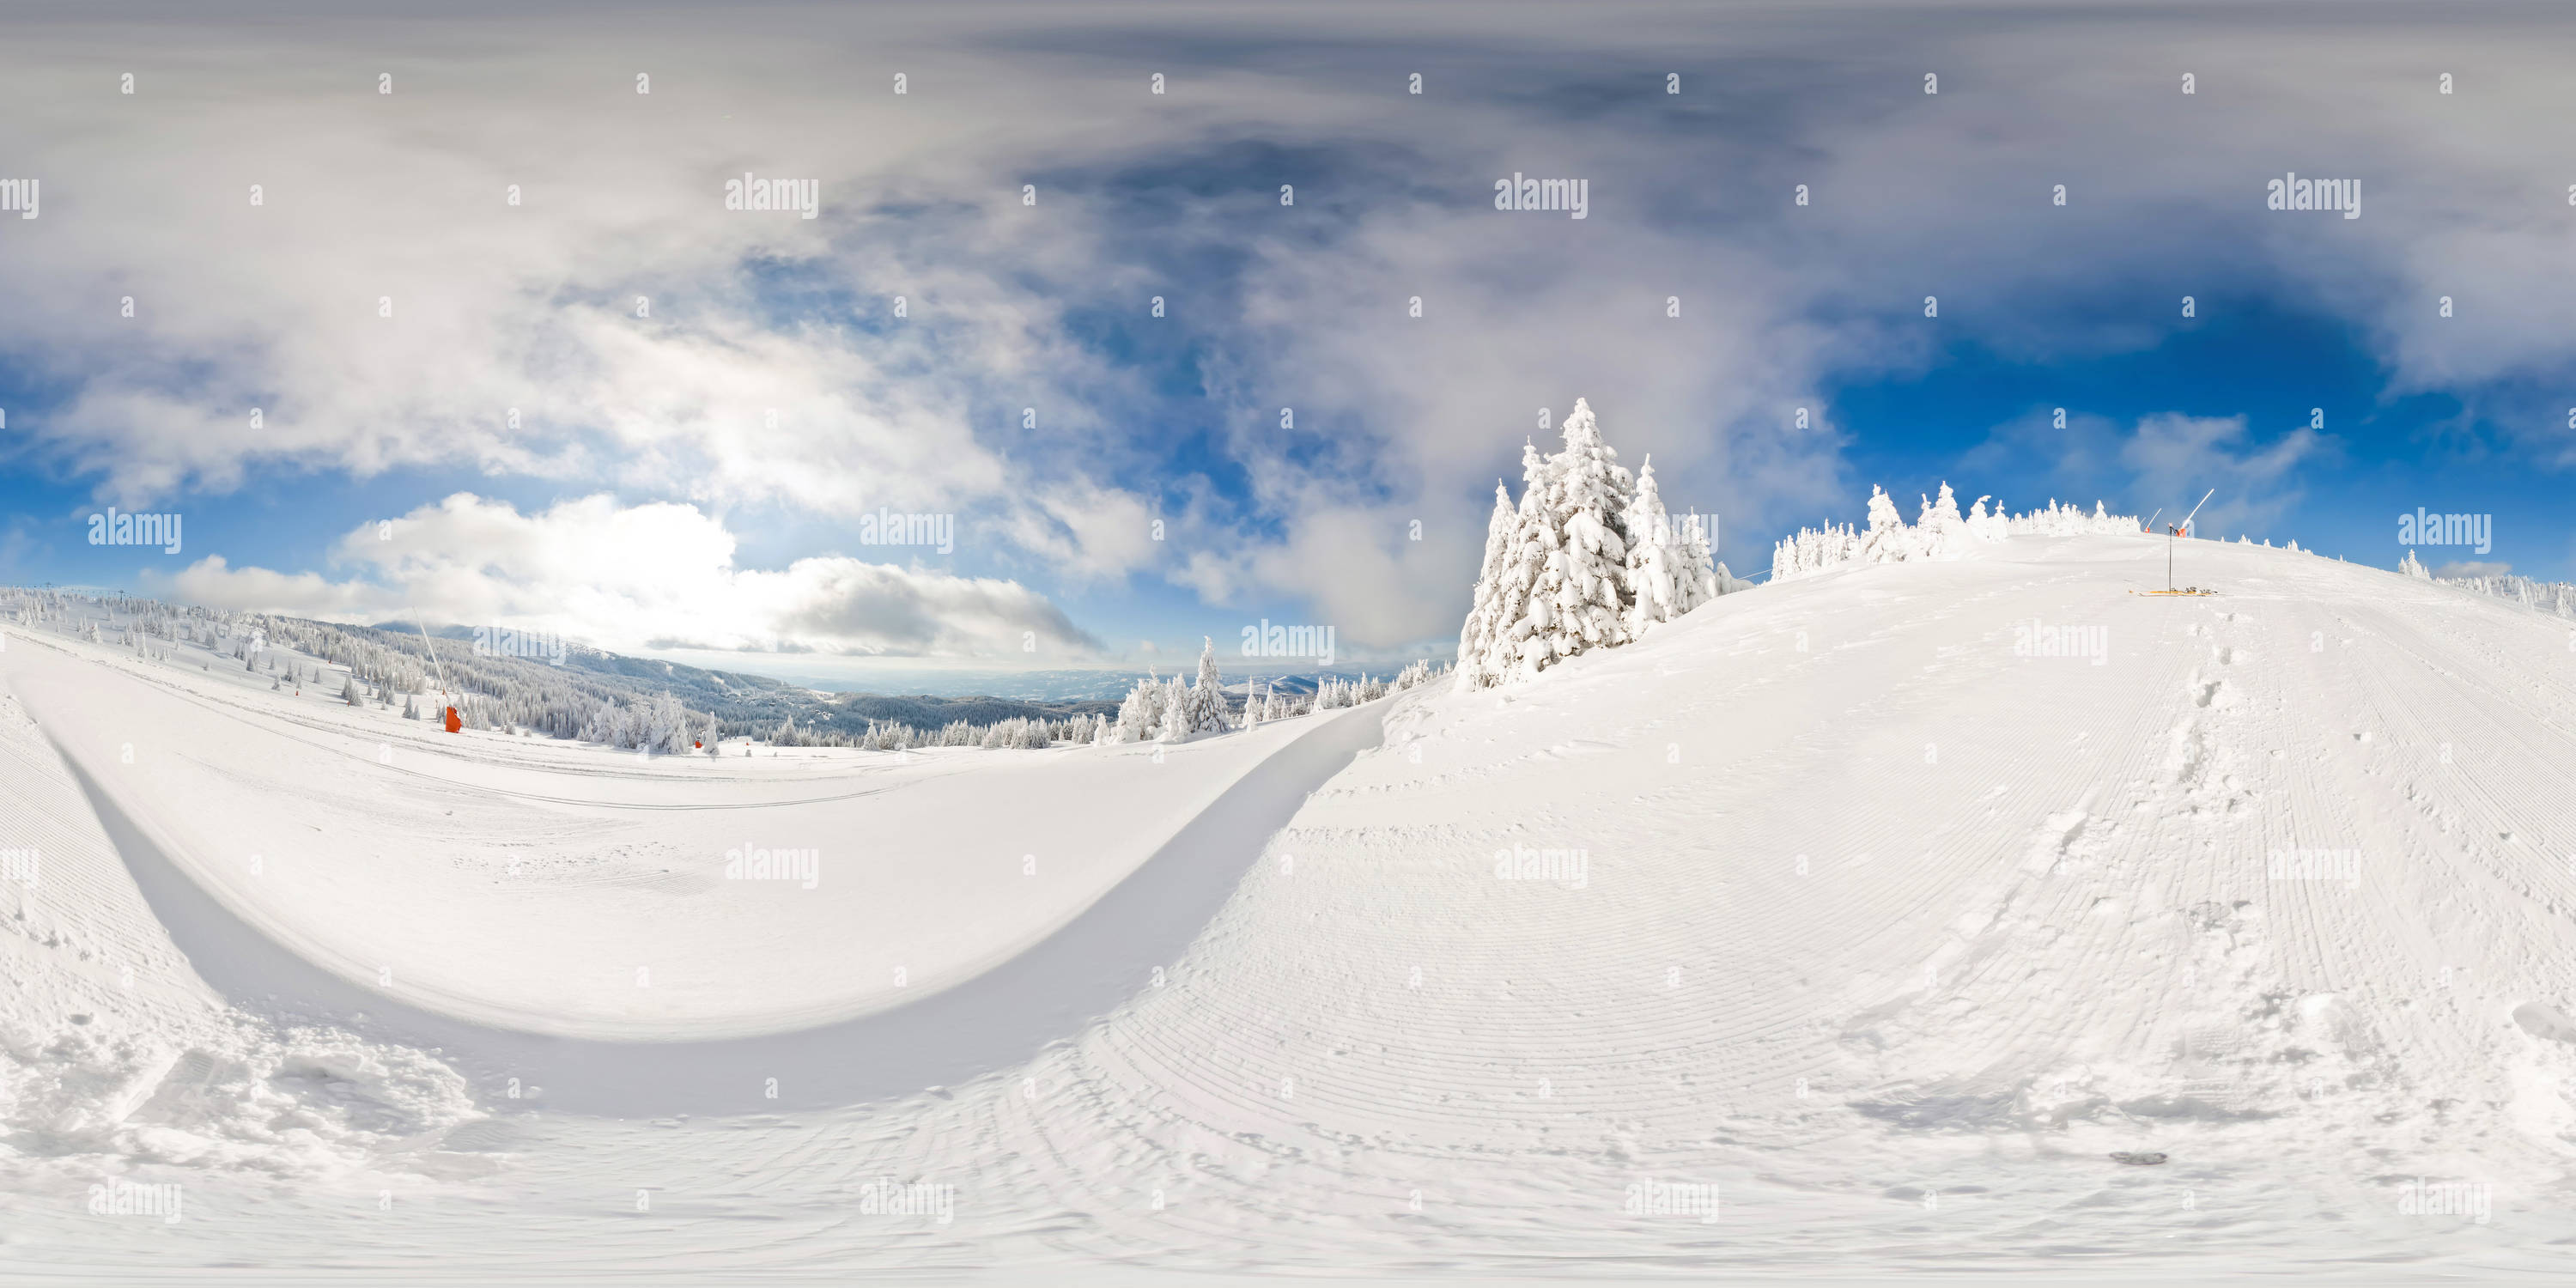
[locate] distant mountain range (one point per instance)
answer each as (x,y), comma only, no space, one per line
(742,700)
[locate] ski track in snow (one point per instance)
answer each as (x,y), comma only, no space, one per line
(1891,934)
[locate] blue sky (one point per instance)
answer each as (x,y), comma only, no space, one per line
(645,500)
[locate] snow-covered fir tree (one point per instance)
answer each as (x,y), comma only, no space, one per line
(1476,637)
(1886,540)
(1941,529)
(1511,646)
(1138,714)
(1581,583)
(1698,577)
(1172,721)
(1587,560)
(1653,573)
(1206,707)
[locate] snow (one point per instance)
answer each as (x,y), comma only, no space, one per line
(1837,910)
(117,1051)
(589,889)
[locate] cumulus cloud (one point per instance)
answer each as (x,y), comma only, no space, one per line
(2163,462)
(2182,456)
(653,576)
(618,328)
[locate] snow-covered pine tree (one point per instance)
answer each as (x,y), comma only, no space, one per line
(1475,638)
(1172,720)
(1138,714)
(1939,528)
(1887,539)
(1589,492)
(1516,613)
(1697,575)
(349,692)
(667,725)
(2413,567)
(1207,712)
(1652,580)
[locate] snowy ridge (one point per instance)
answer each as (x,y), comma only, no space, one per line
(2554,597)
(1941,533)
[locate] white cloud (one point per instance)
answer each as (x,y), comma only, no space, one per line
(2159,466)
(1400,418)
(2474,568)
(645,577)
(1084,530)
(2184,456)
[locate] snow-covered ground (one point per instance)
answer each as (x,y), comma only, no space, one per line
(587,893)
(1845,925)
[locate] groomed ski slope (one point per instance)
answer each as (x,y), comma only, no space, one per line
(562,889)
(1885,931)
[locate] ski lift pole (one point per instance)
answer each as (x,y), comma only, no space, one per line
(448,720)
(2176,531)
(432,650)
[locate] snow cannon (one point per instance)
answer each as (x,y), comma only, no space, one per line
(454,725)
